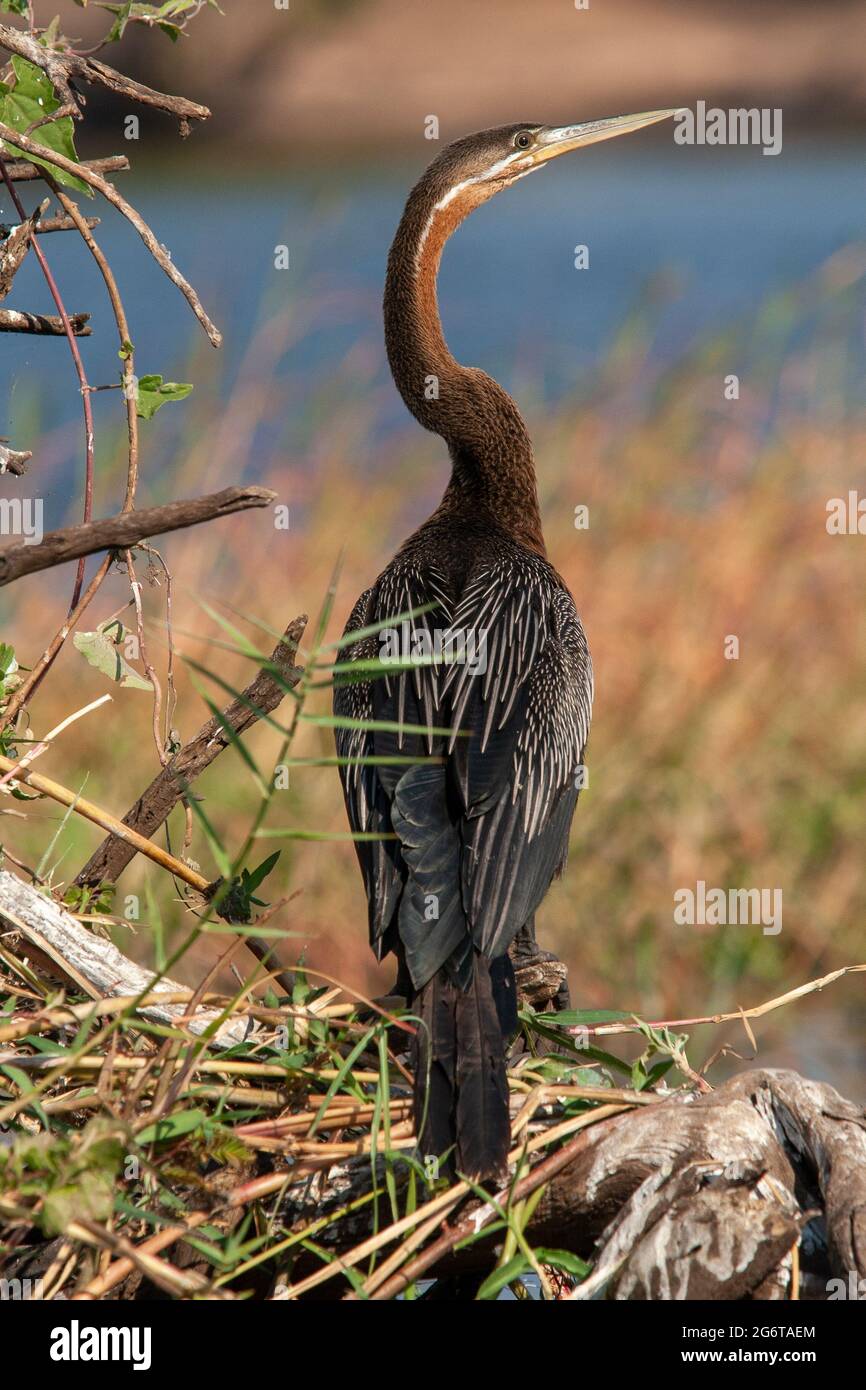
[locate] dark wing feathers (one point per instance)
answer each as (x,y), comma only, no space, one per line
(482,831)
(432,923)
(367,801)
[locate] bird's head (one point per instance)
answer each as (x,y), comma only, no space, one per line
(472,169)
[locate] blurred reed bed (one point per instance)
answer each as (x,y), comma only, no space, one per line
(706,518)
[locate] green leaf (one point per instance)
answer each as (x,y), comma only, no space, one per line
(562,1069)
(586,1018)
(235,903)
(254,879)
(153,393)
(13,6)
(8,670)
(90,1197)
(562,1259)
(506,1274)
(165,16)
(181,1122)
(102,650)
(30,99)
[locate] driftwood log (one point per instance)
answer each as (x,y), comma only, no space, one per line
(699,1196)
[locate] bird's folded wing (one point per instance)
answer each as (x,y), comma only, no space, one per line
(501,700)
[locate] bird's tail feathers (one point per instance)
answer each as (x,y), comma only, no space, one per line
(461,1091)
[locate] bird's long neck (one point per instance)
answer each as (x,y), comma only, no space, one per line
(493,471)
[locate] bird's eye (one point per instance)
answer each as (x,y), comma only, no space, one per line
(523,140)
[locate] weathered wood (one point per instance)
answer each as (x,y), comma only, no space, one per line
(700,1196)
(95,964)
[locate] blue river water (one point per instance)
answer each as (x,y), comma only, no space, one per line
(719,229)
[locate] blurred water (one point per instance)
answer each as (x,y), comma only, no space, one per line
(732,226)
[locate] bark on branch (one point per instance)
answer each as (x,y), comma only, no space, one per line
(14,246)
(154,806)
(64,224)
(18,321)
(22,171)
(125,530)
(64,69)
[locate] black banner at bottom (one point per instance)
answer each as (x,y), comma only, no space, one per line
(217,1336)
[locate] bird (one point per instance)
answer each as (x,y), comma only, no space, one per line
(463,697)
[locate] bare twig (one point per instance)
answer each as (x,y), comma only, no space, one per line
(154,806)
(18,321)
(127,529)
(84,226)
(62,224)
(106,821)
(79,371)
(40,670)
(149,668)
(14,247)
(599,1030)
(63,69)
(37,749)
(28,687)
(119,1269)
(108,191)
(22,171)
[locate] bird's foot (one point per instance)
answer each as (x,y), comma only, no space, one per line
(542,978)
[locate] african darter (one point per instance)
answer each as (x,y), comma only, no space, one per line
(498,678)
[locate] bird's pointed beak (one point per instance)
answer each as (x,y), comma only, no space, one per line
(560,139)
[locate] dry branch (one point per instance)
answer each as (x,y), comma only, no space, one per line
(46,786)
(22,171)
(18,321)
(63,224)
(96,965)
(81,171)
(153,807)
(14,245)
(14,460)
(45,224)
(63,69)
(125,530)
